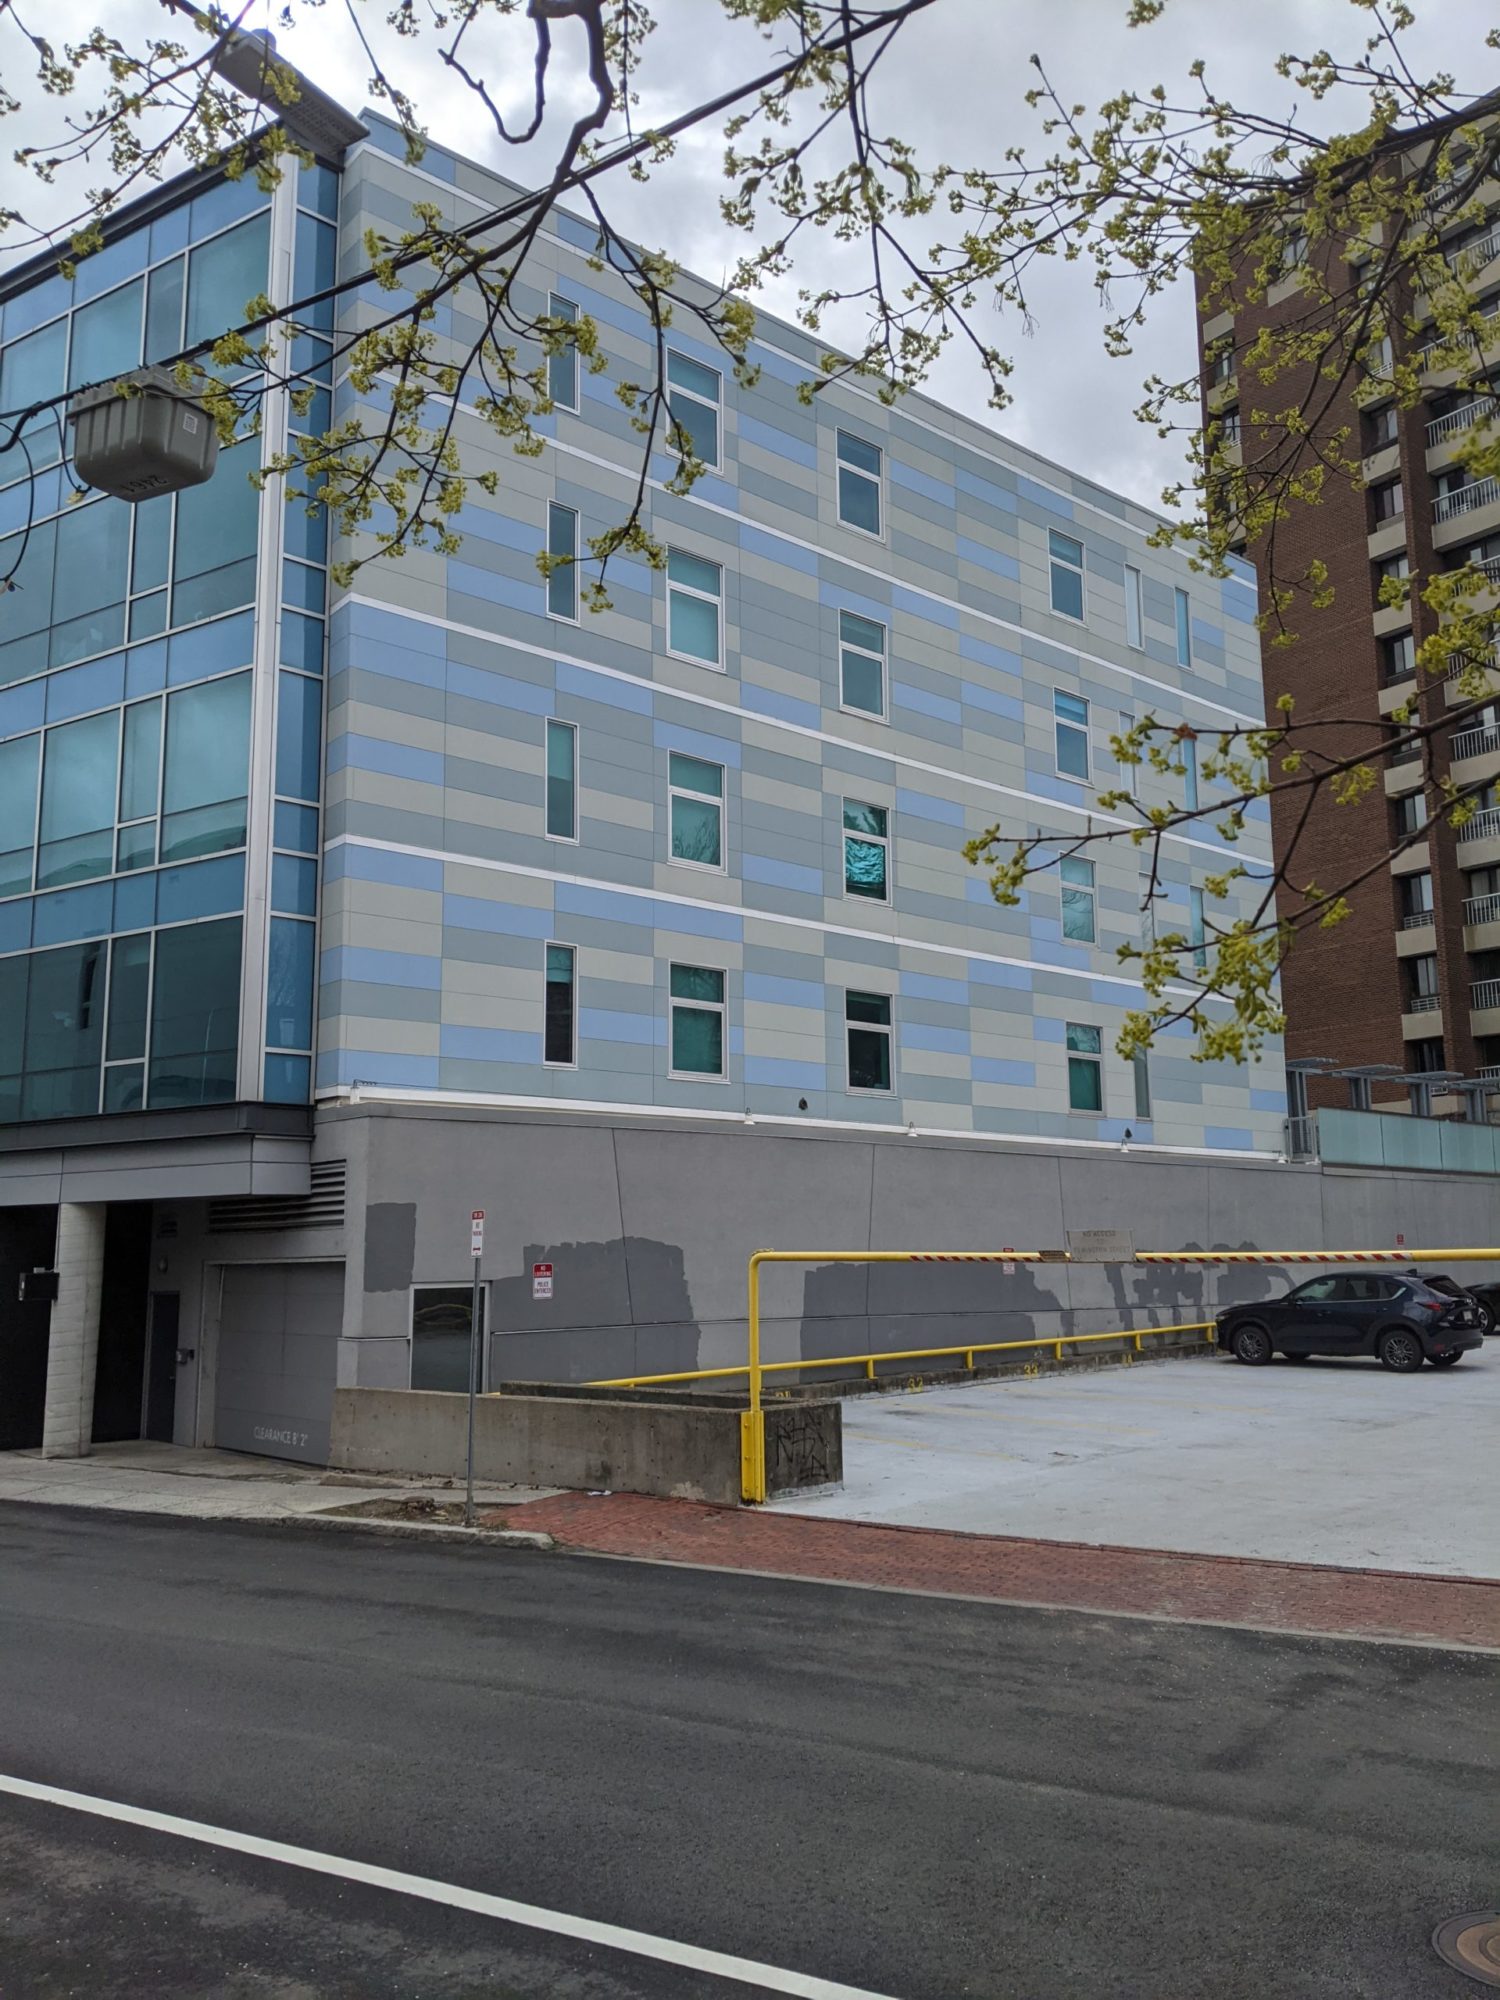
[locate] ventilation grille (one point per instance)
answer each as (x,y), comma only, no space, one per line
(321,1208)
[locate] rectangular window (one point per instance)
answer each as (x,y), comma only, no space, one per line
(195,1014)
(1184,617)
(867,1024)
(213,563)
(1387,502)
(1426,1055)
(1410,815)
(866,852)
(1380,428)
(64,1032)
(695,807)
(19,762)
(442,1334)
(696,1002)
(1085,1068)
(1221,364)
(1398,656)
(1423,975)
(562,781)
(1065,556)
(694,396)
(1391,569)
(1140,1064)
(859,483)
(79,775)
(1187,750)
(1077,899)
(107,334)
(224,274)
(1070,714)
(695,592)
(562,362)
(1416,893)
(562,582)
(1229,428)
(1197,933)
(206,769)
(559,1040)
(1135,629)
(861,664)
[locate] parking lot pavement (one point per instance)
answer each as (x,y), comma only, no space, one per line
(1322,1462)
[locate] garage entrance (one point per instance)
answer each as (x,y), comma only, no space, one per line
(277,1359)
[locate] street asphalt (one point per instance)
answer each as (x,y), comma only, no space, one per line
(914,1796)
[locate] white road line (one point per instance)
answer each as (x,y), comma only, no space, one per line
(770,1978)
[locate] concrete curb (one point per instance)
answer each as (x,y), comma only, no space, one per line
(443,1531)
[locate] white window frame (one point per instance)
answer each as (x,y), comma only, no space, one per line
(882,840)
(1188,750)
(1182,625)
(714,666)
(1135,610)
(551,945)
(1055,561)
(564,839)
(719,1007)
(1140,1065)
(674,389)
(845,646)
(1060,722)
(570,573)
(877,479)
(674,792)
(1197,928)
(560,306)
(1072,1056)
(870,1028)
(1090,888)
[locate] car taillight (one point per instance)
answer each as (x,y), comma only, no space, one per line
(1434,1305)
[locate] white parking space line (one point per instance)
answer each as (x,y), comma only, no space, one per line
(614,1937)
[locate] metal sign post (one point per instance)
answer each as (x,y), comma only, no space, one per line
(476,1251)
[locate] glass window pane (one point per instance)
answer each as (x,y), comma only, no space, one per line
(696,832)
(698,1041)
(205,830)
(294,885)
(562,540)
(1065,548)
(1072,752)
(288,1079)
(694,572)
(28,602)
(125,1087)
(195,1013)
(864,868)
(863,683)
(1133,633)
(859,500)
(700,423)
(153,543)
(164,310)
(140,767)
(1184,630)
(1083,1040)
(224,275)
(1085,1088)
(107,337)
(855,451)
(306,534)
(873,1007)
(862,632)
(1067,591)
(558,1023)
(129,980)
(301,587)
(208,744)
(148,616)
(31,371)
(562,366)
(301,638)
(316,256)
(860,818)
(697,982)
(20,760)
(562,789)
(213,565)
(1078,915)
(1140,1063)
(1069,707)
(64,1032)
(1076,870)
(694,774)
(299,725)
(136,847)
(297,828)
(869,1059)
(692,375)
(442,1331)
(93,545)
(289,984)
(79,776)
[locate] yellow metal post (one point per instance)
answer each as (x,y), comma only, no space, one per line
(753,1420)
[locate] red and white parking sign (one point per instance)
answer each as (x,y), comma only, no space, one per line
(541,1281)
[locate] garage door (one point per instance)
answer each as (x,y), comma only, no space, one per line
(278,1359)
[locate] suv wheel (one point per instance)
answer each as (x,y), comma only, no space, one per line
(1252,1344)
(1399,1350)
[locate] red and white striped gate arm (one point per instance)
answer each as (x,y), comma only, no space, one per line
(1403,1256)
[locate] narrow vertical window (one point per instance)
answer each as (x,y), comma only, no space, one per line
(861,664)
(1135,631)
(1184,628)
(562,781)
(694,397)
(1140,1063)
(1187,748)
(695,809)
(695,591)
(1085,1067)
(1078,924)
(1065,558)
(696,1000)
(562,362)
(1197,934)
(859,483)
(866,852)
(867,1019)
(1070,714)
(560,1033)
(562,542)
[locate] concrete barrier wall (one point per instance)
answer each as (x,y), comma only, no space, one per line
(678,1450)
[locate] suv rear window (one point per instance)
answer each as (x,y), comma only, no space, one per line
(1363,1287)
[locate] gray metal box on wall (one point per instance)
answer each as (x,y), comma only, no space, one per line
(157,440)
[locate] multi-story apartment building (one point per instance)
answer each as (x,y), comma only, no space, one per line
(1411,981)
(327,917)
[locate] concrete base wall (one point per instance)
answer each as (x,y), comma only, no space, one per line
(678,1450)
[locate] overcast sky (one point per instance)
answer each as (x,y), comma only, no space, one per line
(957,92)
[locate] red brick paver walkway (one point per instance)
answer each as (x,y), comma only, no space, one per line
(1154,1583)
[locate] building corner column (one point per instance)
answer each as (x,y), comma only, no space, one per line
(73,1340)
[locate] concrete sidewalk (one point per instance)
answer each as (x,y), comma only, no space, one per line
(214,1485)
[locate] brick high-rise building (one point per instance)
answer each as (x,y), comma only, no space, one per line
(1412,978)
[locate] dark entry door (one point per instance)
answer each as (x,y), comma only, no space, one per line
(27,1236)
(159,1416)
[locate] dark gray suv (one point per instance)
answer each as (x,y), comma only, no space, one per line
(1402,1321)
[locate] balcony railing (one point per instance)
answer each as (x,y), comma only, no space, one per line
(1489,662)
(1455,421)
(1485,825)
(1482,909)
(1478,493)
(1489,1071)
(1475,742)
(1485,993)
(1428,1003)
(1474,255)
(1418,920)
(1425,354)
